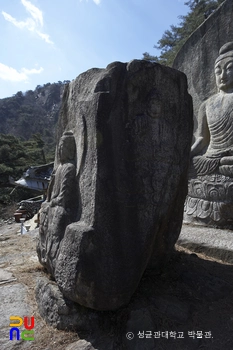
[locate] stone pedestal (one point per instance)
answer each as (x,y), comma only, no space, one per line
(210,201)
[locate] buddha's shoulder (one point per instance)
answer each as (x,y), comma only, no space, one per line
(207,104)
(212,99)
(214,102)
(219,98)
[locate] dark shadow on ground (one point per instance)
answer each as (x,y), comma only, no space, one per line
(192,300)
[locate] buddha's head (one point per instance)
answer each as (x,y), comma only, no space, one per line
(154,104)
(224,68)
(66,148)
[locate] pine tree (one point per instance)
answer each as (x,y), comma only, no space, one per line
(173,39)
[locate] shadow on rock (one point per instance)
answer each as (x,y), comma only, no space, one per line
(187,306)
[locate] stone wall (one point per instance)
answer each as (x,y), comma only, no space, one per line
(196,58)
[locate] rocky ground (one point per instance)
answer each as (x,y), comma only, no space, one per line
(189,306)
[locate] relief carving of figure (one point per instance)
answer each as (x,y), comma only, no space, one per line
(215,122)
(60,207)
(210,186)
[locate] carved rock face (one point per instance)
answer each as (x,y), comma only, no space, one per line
(224,74)
(198,55)
(132,125)
(209,200)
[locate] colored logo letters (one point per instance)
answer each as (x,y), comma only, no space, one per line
(15,333)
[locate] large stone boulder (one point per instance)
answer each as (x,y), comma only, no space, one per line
(132,125)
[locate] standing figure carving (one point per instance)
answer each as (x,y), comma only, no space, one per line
(60,207)
(210,199)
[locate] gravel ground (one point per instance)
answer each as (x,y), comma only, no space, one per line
(193,294)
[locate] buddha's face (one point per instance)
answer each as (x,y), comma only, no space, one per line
(224,74)
(62,150)
(154,108)
(66,149)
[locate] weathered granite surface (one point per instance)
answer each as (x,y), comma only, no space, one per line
(210,186)
(132,125)
(60,312)
(80,345)
(213,242)
(209,199)
(13,302)
(61,206)
(197,56)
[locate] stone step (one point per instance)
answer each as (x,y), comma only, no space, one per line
(212,242)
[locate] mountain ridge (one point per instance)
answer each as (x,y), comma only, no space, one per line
(30,112)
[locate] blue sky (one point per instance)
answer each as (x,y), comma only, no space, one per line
(54,40)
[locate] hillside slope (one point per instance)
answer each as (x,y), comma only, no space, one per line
(25,114)
(27,136)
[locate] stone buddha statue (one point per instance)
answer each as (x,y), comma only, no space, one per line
(210,195)
(60,207)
